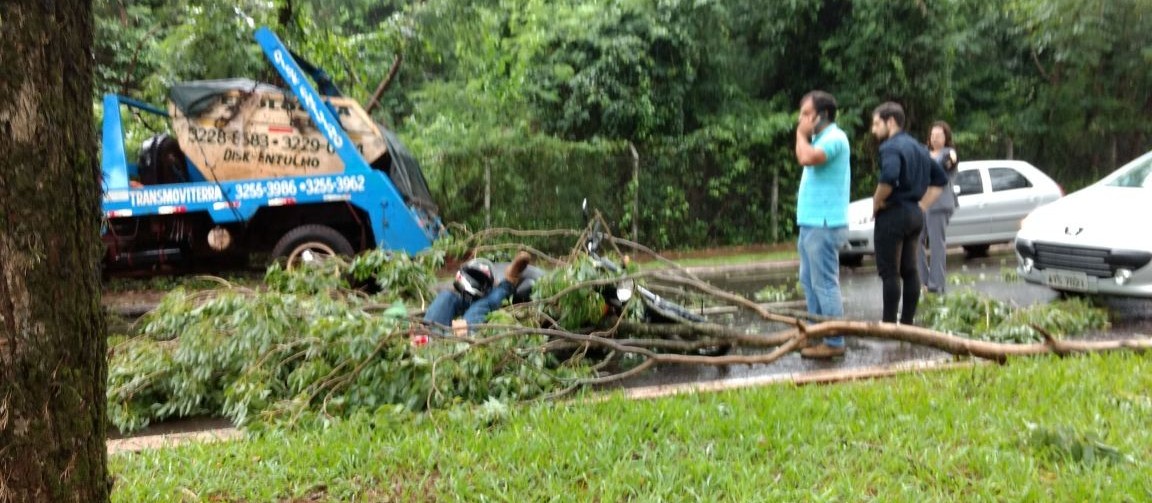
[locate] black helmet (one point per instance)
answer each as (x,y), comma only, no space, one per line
(475,277)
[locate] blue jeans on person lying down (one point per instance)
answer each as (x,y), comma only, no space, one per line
(449,304)
(819,249)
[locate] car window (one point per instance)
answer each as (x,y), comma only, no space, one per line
(1138,176)
(1007,179)
(969,182)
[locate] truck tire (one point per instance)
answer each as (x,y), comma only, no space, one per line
(303,243)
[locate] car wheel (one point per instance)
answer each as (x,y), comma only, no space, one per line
(1071,295)
(309,243)
(852,260)
(976,251)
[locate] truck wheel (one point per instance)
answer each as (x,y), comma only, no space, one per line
(311,242)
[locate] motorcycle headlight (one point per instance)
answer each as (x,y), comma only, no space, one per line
(624,290)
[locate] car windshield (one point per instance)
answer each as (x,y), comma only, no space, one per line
(1138,176)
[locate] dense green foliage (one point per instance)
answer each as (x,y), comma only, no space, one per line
(308,343)
(967,313)
(1043,429)
(541,102)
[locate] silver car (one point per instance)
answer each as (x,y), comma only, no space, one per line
(994,196)
(1093,241)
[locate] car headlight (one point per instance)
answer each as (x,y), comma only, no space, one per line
(1122,276)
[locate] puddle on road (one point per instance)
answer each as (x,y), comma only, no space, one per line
(862,352)
(861,290)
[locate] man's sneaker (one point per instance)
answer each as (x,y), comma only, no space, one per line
(822,352)
(516,268)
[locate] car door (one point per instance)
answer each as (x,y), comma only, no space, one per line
(969,219)
(1010,200)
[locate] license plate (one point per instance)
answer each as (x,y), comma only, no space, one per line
(1071,280)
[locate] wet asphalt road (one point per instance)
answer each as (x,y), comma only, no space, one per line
(862,301)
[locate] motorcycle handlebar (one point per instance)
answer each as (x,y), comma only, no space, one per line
(603,262)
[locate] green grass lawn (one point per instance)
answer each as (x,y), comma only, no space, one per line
(1044,429)
(726,259)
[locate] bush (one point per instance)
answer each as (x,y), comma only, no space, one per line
(968,313)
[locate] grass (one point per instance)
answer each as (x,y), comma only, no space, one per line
(163,283)
(725,259)
(985,433)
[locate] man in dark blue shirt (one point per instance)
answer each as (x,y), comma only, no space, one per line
(910,181)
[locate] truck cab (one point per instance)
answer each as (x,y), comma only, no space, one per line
(244,168)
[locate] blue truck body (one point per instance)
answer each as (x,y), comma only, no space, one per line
(203,219)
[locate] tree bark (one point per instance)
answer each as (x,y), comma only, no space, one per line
(52,332)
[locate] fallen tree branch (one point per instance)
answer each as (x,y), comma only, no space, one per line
(727,296)
(969,347)
(691,330)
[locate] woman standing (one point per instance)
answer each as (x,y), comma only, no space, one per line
(933,258)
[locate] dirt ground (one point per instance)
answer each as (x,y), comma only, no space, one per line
(129,298)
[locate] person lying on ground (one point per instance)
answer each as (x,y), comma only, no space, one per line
(475,294)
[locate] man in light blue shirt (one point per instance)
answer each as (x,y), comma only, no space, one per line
(822,212)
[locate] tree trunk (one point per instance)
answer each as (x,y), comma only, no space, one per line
(488,194)
(52,332)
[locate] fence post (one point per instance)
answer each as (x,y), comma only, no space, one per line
(635,193)
(775,204)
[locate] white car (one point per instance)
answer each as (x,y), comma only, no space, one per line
(994,196)
(1092,241)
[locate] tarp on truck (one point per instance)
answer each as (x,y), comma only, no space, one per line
(407,176)
(196,97)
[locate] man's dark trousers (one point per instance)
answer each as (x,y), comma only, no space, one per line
(897,241)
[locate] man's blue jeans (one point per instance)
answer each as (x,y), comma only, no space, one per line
(448,304)
(819,249)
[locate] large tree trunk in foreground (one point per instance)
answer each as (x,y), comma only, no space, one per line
(52,364)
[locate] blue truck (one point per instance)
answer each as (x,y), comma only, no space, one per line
(244,168)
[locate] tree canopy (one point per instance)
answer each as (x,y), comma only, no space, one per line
(549,97)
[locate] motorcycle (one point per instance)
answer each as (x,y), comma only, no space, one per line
(615,297)
(656,308)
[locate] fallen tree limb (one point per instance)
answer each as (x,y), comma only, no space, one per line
(969,347)
(695,330)
(790,340)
